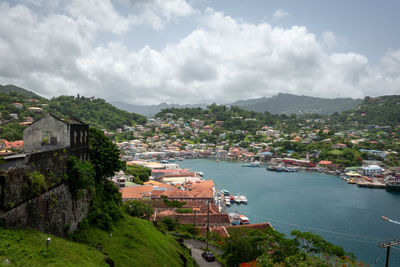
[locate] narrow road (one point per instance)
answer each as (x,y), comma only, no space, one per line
(195,246)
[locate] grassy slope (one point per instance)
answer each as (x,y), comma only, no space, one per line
(134,242)
(28,248)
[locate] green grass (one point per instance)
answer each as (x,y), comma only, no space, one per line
(134,242)
(28,248)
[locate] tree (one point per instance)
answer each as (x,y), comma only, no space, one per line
(104,155)
(139,172)
(139,209)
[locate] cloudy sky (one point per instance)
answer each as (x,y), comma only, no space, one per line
(200,51)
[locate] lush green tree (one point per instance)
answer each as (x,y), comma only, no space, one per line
(138,208)
(80,175)
(104,155)
(139,172)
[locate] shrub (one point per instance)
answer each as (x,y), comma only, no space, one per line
(184,211)
(139,209)
(80,175)
(170,223)
(36,183)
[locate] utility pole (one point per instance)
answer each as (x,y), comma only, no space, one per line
(208,220)
(388,245)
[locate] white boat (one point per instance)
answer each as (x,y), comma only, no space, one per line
(253,164)
(235,218)
(243,219)
(237,199)
(227,203)
(243,199)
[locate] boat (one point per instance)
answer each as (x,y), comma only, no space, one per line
(243,219)
(253,164)
(217,160)
(180,159)
(225,192)
(201,174)
(232,199)
(237,199)
(291,169)
(164,161)
(271,168)
(171,160)
(235,218)
(243,199)
(393,185)
(227,203)
(279,168)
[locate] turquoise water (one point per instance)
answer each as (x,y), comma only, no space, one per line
(343,214)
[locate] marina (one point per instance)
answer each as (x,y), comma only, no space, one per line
(346,215)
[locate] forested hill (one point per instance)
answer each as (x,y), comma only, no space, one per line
(16,112)
(294,104)
(12,88)
(382,110)
(234,118)
(94,111)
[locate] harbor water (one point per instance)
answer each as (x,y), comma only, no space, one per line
(343,214)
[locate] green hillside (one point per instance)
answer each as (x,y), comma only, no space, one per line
(94,111)
(382,110)
(134,242)
(12,88)
(292,104)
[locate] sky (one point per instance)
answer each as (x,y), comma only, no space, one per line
(200,51)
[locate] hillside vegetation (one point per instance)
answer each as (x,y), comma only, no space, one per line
(382,110)
(134,242)
(94,111)
(15,89)
(293,104)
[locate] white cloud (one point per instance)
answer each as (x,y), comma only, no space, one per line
(157,13)
(222,60)
(98,15)
(329,39)
(279,14)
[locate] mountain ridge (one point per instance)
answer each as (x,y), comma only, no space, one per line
(280,103)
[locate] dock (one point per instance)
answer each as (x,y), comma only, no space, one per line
(371,184)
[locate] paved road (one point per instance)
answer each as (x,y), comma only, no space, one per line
(195,246)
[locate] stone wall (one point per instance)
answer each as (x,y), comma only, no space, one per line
(46,134)
(53,212)
(14,182)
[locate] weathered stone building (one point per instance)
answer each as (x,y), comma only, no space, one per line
(51,133)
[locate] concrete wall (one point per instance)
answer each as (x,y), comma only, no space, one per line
(53,212)
(49,127)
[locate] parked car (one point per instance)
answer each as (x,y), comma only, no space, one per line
(208,256)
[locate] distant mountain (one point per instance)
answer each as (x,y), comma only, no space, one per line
(289,104)
(152,109)
(12,88)
(281,103)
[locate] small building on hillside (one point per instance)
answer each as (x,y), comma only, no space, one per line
(52,133)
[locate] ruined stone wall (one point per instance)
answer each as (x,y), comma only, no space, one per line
(52,208)
(54,212)
(15,183)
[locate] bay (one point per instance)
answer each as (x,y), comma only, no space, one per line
(343,214)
